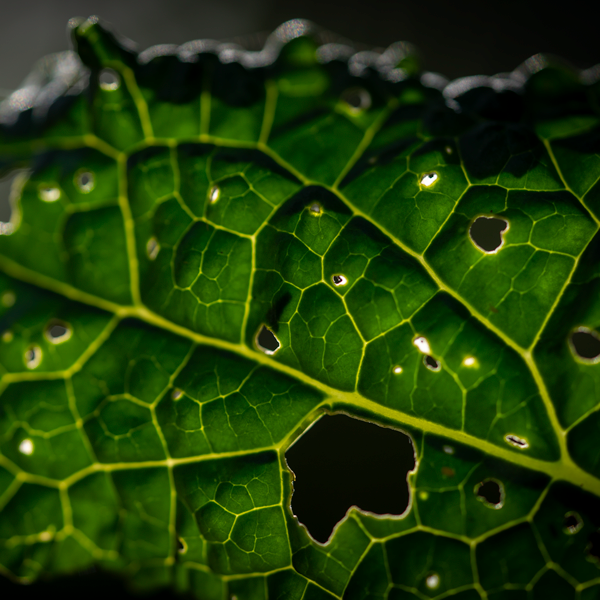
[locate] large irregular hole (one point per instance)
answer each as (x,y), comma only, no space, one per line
(109,80)
(486,233)
(341,462)
(266,341)
(491,493)
(586,344)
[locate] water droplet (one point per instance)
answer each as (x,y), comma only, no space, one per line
(7,336)
(339,280)
(49,194)
(152,248)
(214,194)
(470,361)
(315,209)
(357,99)
(266,341)
(33,357)
(84,181)
(109,80)
(431,363)
(422,344)
(448,449)
(397,370)
(58,332)
(26,447)
(432,581)
(429,179)
(585,344)
(516,441)
(487,233)
(8,299)
(491,493)
(176,394)
(572,523)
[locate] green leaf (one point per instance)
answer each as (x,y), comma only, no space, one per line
(180,207)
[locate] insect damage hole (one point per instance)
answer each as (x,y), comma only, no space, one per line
(109,80)
(26,447)
(48,194)
(585,344)
(84,181)
(152,248)
(487,233)
(58,332)
(339,280)
(431,363)
(428,179)
(33,357)
(432,581)
(342,462)
(214,194)
(315,209)
(491,493)
(266,340)
(357,99)
(515,440)
(572,523)
(182,547)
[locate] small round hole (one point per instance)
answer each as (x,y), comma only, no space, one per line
(26,447)
(448,449)
(585,344)
(432,581)
(182,547)
(315,209)
(422,345)
(109,80)
(33,357)
(266,341)
(49,194)
(397,370)
(487,233)
(58,332)
(431,363)
(428,179)
(176,394)
(357,99)
(339,280)
(572,523)
(214,194)
(85,181)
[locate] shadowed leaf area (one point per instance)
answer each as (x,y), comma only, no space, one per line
(212,250)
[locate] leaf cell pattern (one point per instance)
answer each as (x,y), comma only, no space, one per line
(178,201)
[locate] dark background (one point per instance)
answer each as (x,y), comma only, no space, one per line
(454,38)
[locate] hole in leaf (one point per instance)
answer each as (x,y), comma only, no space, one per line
(33,357)
(448,449)
(341,462)
(432,581)
(397,370)
(49,194)
(515,440)
(26,447)
(491,493)
(176,394)
(486,233)
(85,182)
(470,361)
(109,80)
(214,194)
(448,149)
(339,280)
(431,363)
(152,248)
(315,209)
(58,332)
(8,299)
(181,546)
(357,99)
(266,341)
(572,523)
(422,344)
(585,343)
(429,179)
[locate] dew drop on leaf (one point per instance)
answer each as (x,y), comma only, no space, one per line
(58,332)
(26,447)
(431,363)
(152,248)
(49,194)
(214,194)
(357,99)
(8,299)
(33,357)
(491,493)
(486,233)
(109,80)
(339,280)
(85,181)
(266,341)
(585,343)
(572,523)
(429,179)
(432,581)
